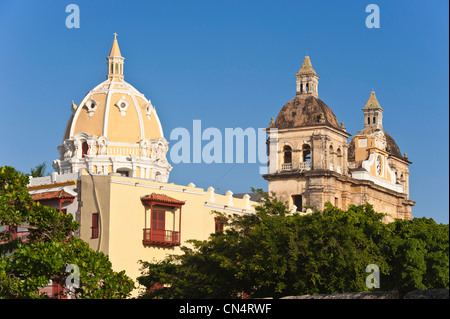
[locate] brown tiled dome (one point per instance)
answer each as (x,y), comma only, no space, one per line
(391,146)
(305,110)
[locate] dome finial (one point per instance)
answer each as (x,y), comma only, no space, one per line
(115,60)
(115,51)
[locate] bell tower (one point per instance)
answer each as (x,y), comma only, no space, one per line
(307,149)
(373,113)
(307,79)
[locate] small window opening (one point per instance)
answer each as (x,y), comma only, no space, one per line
(219,223)
(94,227)
(298,201)
(84,149)
(287,154)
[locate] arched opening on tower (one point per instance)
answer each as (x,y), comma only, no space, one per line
(287,154)
(339,161)
(306,151)
(287,158)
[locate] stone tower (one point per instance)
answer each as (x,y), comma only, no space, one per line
(311,162)
(307,147)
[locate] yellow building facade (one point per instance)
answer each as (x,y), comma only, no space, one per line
(113,166)
(141,219)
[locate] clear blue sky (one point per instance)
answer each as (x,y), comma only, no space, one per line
(232,64)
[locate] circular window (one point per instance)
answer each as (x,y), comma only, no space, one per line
(122,105)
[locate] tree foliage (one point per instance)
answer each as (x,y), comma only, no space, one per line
(39,170)
(25,267)
(276,253)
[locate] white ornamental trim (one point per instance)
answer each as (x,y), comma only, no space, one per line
(91,105)
(123,104)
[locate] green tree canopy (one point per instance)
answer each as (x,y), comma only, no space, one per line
(39,170)
(276,253)
(25,267)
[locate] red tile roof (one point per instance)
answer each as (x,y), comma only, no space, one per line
(61,194)
(160,198)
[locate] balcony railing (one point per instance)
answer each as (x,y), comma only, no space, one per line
(303,166)
(161,237)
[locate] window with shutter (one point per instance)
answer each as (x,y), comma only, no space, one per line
(94,225)
(158,219)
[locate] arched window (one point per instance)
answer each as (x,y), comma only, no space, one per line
(306,152)
(287,154)
(373,120)
(368,120)
(84,149)
(307,88)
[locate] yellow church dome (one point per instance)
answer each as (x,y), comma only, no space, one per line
(115,109)
(114,128)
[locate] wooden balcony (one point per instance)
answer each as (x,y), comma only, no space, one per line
(161,237)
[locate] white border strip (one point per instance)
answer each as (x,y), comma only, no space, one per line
(228,208)
(162,187)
